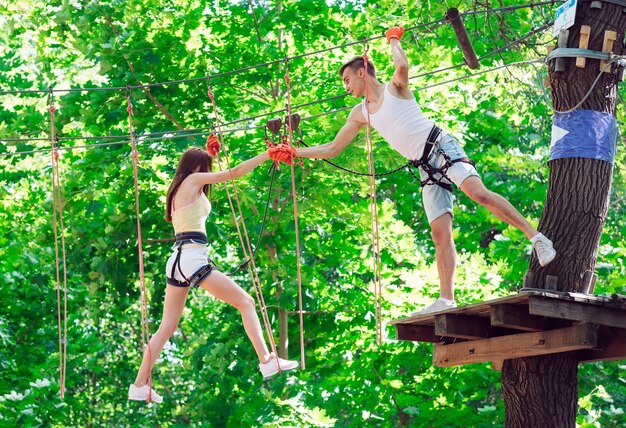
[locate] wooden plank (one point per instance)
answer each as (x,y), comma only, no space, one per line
(581,336)
(585,30)
(480,308)
(417,333)
(607,46)
(577,311)
(611,346)
(516,317)
(497,365)
(613,350)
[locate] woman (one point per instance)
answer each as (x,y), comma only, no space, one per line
(187,208)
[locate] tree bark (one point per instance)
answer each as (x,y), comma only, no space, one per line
(543,391)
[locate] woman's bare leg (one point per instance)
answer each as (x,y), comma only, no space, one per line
(225,289)
(175,298)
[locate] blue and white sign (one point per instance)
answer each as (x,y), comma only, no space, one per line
(584,134)
(565,16)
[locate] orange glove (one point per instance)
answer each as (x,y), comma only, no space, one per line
(394,33)
(282,153)
(212,145)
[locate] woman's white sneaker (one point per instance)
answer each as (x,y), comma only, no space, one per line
(270,368)
(143,393)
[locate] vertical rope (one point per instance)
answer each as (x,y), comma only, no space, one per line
(373,210)
(246,246)
(57,207)
(145,327)
(295,215)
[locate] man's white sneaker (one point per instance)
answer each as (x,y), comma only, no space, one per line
(543,248)
(436,306)
(142,393)
(270,368)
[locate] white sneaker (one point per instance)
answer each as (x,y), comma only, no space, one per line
(543,248)
(270,368)
(143,393)
(436,306)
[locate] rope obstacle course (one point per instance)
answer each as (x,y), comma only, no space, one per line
(285,150)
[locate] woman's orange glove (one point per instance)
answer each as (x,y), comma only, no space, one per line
(394,33)
(282,153)
(213,145)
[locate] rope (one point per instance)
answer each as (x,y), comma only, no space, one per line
(244,264)
(145,328)
(373,209)
(247,249)
(57,206)
(274,62)
(147,137)
(295,214)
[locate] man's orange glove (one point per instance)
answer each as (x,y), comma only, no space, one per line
(394,33)
(282,153)
(212,145)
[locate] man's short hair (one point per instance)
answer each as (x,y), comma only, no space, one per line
(356,63)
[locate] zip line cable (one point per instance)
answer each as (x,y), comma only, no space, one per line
(161,135)
(274,62)
(262,115)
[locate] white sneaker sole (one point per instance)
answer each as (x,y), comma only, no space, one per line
(283,368)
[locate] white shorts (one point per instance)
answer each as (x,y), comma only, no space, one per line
(192,267)
(437,200)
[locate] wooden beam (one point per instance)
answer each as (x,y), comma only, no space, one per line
(516,317)
(583,43)
(466,327)
(613,350)
(607,46)
(581,336)
(417,333)
(577,311)
(611,346)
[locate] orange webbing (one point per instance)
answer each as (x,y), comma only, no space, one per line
(145,327)
(57,206)
(295,216)
(374,212)
(246,246)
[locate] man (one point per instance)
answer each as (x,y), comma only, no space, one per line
(394,113)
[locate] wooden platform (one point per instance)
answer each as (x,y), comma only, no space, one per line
(532,322)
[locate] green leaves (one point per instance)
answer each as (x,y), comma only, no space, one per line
(208,371)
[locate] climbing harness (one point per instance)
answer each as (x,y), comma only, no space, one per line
(436,175)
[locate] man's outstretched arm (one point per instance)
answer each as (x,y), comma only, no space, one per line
(400,61)
(344,137)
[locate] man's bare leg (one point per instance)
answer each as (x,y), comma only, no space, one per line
(445,254)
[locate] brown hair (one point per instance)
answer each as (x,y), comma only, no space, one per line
(357,63)
(191,159)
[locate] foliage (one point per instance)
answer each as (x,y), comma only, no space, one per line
(208,371)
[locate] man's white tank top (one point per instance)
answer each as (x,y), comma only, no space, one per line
(402,124)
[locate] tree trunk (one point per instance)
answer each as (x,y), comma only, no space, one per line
(543,391)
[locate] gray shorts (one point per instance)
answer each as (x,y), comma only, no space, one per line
(437,200)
